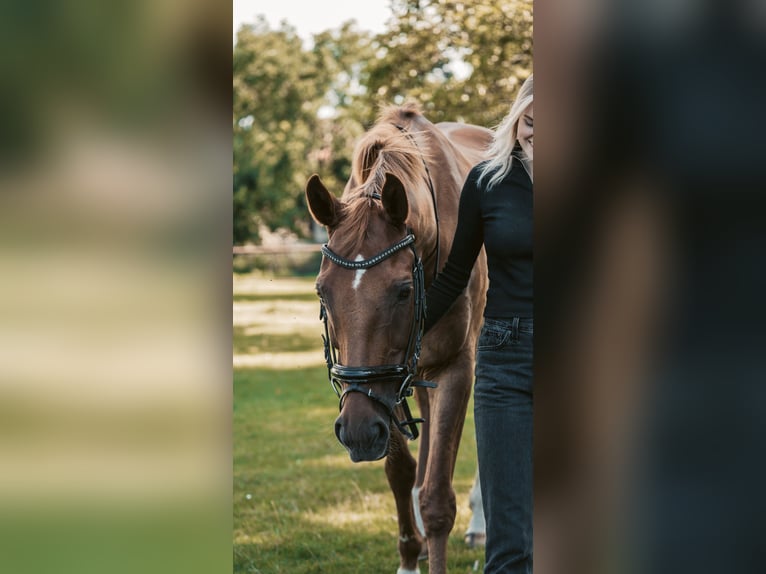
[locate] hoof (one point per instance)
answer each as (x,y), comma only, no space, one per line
(475,539)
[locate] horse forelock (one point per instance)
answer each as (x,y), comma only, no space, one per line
(357,213)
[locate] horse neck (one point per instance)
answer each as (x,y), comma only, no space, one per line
(447,168)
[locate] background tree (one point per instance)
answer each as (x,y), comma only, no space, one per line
(343,55)
(462,60)
(277,94)
(293,115)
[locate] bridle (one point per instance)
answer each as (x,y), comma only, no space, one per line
(404,374)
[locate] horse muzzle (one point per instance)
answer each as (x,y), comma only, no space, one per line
(365,436)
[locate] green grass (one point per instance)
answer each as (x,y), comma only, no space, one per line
(300,505)
(271,342)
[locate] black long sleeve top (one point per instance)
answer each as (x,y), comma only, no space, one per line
(501,220)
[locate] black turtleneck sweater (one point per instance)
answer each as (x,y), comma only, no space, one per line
(501,220)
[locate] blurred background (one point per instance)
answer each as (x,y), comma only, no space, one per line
(115,226)
(649,241)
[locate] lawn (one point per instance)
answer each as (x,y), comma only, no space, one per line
(300,505)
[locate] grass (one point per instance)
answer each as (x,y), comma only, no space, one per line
(300,505)
(244,342)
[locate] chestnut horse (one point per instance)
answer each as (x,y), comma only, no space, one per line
(389,234)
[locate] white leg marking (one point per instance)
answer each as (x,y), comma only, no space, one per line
(477,525)
(416,508)
(358,274)
(405,571)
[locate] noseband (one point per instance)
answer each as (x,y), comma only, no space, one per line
(403,374)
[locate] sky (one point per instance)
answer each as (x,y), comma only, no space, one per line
(313,16)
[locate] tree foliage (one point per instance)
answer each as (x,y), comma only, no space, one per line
(299,109)
(277,93)
(463,61)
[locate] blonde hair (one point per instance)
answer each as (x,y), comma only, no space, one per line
(504,139)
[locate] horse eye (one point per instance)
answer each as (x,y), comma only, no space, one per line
(404,292)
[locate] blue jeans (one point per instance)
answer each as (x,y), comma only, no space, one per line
(503,417)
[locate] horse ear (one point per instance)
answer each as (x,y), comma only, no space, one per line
(323,206)
(394,199)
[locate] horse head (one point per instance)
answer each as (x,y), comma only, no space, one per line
(368,291)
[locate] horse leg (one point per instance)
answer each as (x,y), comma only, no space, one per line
(476,534)
(421,396)
(400,471)
(437,497)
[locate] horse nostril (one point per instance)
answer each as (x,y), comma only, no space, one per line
(339,430)
(382,429)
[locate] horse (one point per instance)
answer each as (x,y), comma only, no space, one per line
(388,236)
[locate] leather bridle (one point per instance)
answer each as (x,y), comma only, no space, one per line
(404,374)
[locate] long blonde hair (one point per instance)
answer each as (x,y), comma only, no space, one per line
(500,151)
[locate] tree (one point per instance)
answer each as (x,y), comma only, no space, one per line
(343,55)
(282,131)
(462,60)
(277,93)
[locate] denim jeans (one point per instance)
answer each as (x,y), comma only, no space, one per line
(503,417)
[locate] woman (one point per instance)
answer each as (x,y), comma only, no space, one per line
(496,212)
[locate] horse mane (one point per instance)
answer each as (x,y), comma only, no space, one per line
(385,148)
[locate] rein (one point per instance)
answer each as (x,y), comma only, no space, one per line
(405,374)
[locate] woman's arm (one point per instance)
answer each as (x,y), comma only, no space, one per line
(466,244)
